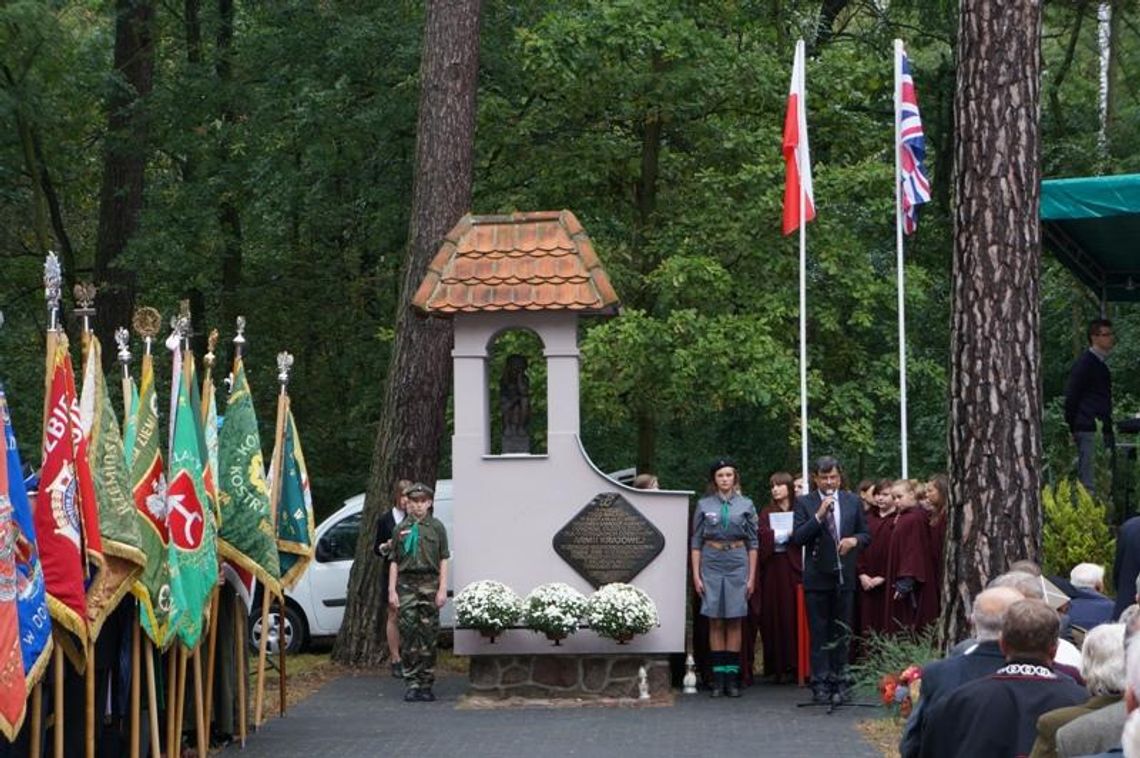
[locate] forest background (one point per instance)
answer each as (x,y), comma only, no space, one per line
(267,150)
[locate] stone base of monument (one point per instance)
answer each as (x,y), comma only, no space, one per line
(581,677)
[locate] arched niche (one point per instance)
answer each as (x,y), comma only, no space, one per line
(517,398)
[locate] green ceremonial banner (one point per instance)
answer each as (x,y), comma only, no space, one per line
(247,537)
(156,608)
(295,527)
(130,425)
(123,554)
(192,551)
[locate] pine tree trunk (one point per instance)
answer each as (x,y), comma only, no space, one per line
(124,165)
(413,422)
(995,380)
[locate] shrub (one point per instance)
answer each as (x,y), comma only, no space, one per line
(1076,529)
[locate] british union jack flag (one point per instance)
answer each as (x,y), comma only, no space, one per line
(913,182)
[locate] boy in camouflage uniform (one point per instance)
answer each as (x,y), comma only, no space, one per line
(417,589)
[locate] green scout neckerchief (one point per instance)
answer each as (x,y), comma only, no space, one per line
(412,540)
(724,512)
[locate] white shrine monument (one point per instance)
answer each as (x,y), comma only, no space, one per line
(526,519)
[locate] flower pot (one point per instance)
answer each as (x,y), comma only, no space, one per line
(555,638)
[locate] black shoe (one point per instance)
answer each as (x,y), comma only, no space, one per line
(718,684)
(412,695)
(732,685)
(427,696)
(819,694)
(397,670)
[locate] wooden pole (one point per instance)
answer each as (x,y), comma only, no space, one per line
(274,498)
(171,697)
(180,711)
(241,657)
(136,706)
(152,702)
(262,650)
(57,729)
(34,737)
(281,654)
(89,701)
(211,654)
(199,711)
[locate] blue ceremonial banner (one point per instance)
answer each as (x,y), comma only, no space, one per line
(35,621)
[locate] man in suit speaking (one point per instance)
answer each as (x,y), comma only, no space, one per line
(830,526)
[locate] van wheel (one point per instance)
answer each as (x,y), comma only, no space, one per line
(295,629)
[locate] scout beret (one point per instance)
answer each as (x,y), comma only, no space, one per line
(720,463)
(418,490)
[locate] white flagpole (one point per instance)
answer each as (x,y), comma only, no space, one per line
(899,249)
(799,62)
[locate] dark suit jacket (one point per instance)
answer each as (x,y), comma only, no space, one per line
(1088,608)
(1127,564)
(822,563)
(384,530)
(940,678)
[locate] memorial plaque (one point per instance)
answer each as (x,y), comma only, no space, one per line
(609,540)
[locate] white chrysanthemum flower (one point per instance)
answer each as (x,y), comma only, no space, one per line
(487,606)
(620,611)
(554,609)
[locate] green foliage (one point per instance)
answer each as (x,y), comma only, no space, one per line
(1076,529)
(658,122)
(891,654)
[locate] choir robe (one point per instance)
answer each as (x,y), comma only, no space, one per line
(910,555)
(873,562)
(779,574)
(997,715)
(937,524)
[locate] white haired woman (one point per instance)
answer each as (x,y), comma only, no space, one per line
(1102,666)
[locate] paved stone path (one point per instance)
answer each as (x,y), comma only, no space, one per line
(366,716)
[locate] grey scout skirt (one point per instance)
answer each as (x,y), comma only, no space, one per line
(725,576)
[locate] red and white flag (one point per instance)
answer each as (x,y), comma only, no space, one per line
(797,157)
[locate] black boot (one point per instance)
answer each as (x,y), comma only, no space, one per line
(718,683)
(732,683)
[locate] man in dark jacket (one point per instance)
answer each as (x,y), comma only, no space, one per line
(997,715)
(1088,397)
(941,677)
(829,524)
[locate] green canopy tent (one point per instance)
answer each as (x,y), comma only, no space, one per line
(1092,225)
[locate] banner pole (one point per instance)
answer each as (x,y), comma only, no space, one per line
(901,286)
(136,691)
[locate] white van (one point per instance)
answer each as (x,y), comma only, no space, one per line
(315,606)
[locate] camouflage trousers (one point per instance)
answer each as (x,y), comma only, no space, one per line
(419,628)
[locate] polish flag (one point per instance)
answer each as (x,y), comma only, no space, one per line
(797,158)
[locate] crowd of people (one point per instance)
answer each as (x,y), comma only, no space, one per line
(1045,674)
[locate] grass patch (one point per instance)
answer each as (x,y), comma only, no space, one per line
(883,734)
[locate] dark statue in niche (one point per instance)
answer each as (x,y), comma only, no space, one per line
(514,404)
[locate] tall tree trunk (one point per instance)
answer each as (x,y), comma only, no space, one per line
(229,215)
(124,165)
(995,378)
(412,421)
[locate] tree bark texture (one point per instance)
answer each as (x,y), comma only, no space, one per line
(413,422)
(995,379)
(124,165)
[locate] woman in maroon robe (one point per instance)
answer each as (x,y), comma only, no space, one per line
(779,573)
(938,495)
(872,561)
(911,587)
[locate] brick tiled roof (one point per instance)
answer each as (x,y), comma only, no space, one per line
(522,262)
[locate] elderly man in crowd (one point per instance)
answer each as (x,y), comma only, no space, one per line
(1099,732)
(997,715)
(1102,667)
(1089,606)
(940,678)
